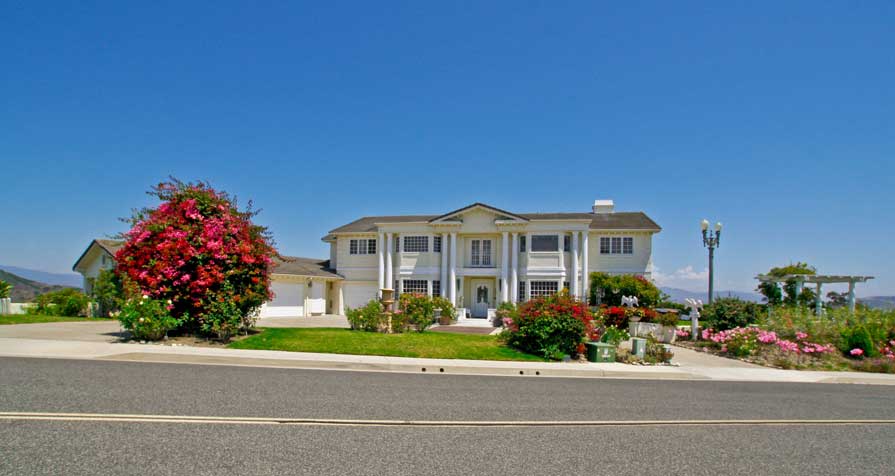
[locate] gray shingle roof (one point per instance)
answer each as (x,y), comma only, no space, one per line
(599,221)
(304,267)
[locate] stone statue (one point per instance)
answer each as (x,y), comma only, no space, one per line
(695,306)
(629,301)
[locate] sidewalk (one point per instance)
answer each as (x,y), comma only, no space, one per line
(692,370)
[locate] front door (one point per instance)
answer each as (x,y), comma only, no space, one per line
(482,294)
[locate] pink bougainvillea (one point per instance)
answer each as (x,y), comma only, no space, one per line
(199,251)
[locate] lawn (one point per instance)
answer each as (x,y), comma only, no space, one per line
(34,319)
(344,341)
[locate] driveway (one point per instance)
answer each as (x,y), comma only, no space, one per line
(328,320)
(87,331)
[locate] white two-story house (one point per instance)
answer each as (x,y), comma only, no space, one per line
(479,256)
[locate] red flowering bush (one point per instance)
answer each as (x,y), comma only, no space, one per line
(550,326)
(198,250)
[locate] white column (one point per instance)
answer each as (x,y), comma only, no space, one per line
(381,253)
(504,265)
(444,264)
(575,291)
(585,267)
(527,288)
(452,275)
(429,287)
(389,282)
(514,270)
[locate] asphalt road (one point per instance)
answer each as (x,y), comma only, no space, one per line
(103,447)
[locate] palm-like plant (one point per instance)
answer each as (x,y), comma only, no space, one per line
(5,289)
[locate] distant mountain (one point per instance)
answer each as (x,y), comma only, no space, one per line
(24,290)
(878,302)
(71,280)
(680,295)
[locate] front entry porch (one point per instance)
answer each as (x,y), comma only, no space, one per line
(479,302)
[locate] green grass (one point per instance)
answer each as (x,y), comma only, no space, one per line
(34,319)
(344,341)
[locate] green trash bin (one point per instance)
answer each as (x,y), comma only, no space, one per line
(638,347)
(600,352)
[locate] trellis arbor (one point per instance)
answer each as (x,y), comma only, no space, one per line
(819,280)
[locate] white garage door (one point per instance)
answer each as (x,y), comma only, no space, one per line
(358,295)
(288,300)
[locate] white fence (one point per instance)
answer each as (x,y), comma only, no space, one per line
(9,307)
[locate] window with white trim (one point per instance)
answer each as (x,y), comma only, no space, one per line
(565,285)
(522,244)
(616,245)
(415,286)
(544,288)
(521,291)
(436,287)
(362,247)
(416,244)
(567,243)
(436,244)
(544,243)
(480,253)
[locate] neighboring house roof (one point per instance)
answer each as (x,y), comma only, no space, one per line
(293,265)
(109,246)
(599,221)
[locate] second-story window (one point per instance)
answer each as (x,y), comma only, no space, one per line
(362,247)
(416,244)
(616,245)
(480,253)
(544,243)
(567,243)
(522,244)
(436,244)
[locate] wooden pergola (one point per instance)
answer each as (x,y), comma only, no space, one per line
(819,280)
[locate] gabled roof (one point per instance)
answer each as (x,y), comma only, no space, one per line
(297,266)
(478,205)
(109,246)
(598,221)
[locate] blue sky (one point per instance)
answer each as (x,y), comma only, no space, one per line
(775,118)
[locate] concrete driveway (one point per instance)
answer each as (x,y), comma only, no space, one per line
(328,320)
(87,331)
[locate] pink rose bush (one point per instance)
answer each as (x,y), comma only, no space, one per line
(745,341)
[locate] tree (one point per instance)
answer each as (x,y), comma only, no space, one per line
(835,299)
(614,287)
(791,295)
(107,291)
(201,253)
(5,289)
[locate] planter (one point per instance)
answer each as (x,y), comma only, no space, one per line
(664,334)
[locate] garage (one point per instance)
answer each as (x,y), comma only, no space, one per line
(288,301)
(358,294)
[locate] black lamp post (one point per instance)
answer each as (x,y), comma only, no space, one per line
(711,241)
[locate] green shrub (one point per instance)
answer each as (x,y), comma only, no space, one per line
(551,326)
(224,317)
(858,337)
(68,302)
(656,352)
(368,318)
(147,319)
(730,312)
(417,310)
(447,309)
(614,287)
(108,292)
(615,336)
